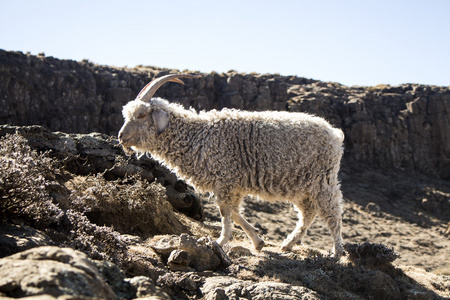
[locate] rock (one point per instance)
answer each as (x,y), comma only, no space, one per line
(275,290)
(187,251)
(51,271)
(132,239)
(115,279)
(419,295)
(146,289)
(202,256)
(238,251)
(180,281)
(183,198)
(382,286)
(144,261)
(179,260)
(15,238)
(224,258)
(221,287)
(423,285)
(164,245)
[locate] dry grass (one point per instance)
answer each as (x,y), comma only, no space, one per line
(25,181)
(87,213)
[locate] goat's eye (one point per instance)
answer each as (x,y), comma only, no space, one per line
(141,116)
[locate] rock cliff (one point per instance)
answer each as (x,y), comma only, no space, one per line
(403,126)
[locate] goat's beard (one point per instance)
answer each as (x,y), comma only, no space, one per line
(128,151)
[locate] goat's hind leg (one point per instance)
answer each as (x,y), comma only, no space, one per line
(330,209)
(306,214)
(251,231)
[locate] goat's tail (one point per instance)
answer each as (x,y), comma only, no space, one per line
(339,134)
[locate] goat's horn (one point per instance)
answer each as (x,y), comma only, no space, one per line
(149,90)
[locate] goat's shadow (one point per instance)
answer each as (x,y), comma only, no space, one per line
(331,278)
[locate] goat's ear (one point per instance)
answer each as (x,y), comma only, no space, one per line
(161,120)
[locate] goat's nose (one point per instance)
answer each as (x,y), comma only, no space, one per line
(121,135)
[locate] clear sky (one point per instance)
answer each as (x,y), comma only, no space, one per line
(354,42)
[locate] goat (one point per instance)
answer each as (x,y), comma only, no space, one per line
(233,153)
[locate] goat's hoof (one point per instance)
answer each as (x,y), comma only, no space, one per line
(260,245)
(286,246)
(286,249)
(221,241)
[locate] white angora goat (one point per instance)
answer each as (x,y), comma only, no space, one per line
(273,155)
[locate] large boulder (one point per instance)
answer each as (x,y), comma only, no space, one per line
(51,271)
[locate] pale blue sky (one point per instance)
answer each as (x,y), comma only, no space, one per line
(357,42)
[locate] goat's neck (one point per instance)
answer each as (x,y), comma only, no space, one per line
(178,145)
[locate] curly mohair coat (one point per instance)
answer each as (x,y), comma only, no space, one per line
(273,155)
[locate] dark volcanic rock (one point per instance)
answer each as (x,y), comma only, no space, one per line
(404,126)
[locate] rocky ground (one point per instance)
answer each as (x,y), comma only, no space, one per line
(79,220)
(389,208)
(130,244)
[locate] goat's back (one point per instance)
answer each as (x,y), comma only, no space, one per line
(270,152)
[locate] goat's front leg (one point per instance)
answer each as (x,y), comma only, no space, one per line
(227,201)
(225,234)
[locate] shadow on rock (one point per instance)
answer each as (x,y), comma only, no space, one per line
(333,279)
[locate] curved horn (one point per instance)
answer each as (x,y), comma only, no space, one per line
(149,90)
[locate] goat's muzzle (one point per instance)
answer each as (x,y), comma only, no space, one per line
(126,149)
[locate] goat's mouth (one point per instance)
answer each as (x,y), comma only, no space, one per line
(127,149)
